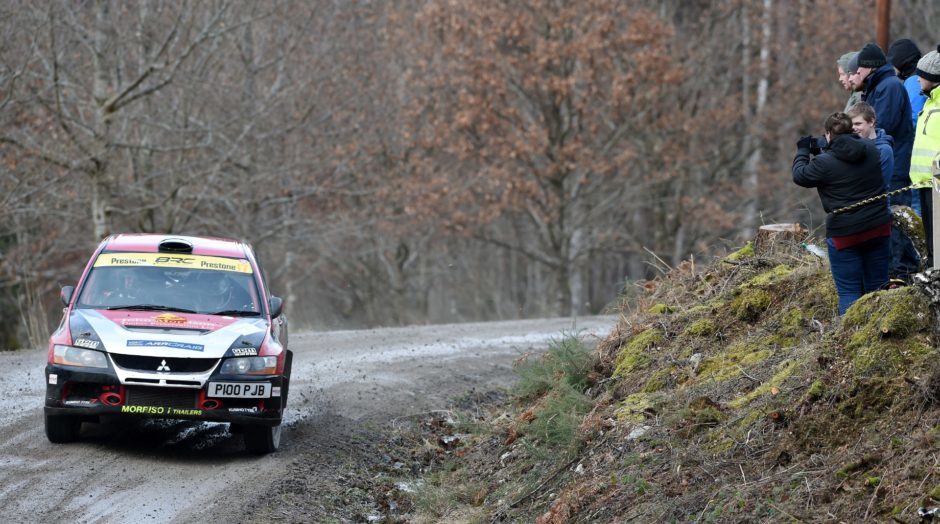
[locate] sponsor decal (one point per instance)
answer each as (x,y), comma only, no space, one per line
(164,344)
(170,318)
(276,391)
(153,322)
(86,343)
(53,379)
(161,260)
(160,410)
(244,352)
(79,403)
(243,410)
(178,261)
(248,329)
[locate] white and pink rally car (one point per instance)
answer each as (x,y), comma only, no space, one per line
(174,327)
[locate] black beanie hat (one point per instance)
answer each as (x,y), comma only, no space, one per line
(904,54)
(871,56)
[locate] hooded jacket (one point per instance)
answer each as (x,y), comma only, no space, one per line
(886,94)
(847,172)
(885,145)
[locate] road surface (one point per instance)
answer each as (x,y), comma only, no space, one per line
(176,471)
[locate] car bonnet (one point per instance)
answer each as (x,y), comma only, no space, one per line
(167,334)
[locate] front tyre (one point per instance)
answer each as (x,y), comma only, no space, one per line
(61,429)
(262,439)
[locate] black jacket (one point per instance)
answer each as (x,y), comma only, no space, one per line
(848,171)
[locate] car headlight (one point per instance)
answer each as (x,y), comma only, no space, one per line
(249,366)
(72,356)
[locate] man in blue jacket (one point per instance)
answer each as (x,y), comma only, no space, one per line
(883,90)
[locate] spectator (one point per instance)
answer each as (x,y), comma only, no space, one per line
(927,140)
(905,259)
(863,123)
(884,92)
(842,64)
(903,55)
(845,173)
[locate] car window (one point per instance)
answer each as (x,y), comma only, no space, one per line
(191,284)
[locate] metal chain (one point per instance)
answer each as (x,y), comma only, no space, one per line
(874,199)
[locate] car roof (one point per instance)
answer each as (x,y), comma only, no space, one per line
(150,243)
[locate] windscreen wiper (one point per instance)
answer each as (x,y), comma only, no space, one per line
(236,313)
(152,307)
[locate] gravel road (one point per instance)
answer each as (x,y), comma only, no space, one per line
(176,471)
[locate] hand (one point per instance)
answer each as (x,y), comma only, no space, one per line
(805,142)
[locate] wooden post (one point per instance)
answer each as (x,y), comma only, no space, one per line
(883,23)
(935,218)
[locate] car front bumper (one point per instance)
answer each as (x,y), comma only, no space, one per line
(93,392)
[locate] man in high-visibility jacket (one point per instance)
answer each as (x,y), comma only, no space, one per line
(927,140)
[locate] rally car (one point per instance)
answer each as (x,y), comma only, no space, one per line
(175,327)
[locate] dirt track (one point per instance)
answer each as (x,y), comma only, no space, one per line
(160,471)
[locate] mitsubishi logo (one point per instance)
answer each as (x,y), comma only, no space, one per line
(163,366)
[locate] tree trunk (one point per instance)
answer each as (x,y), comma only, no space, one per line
(100,177)
(754,117)
(778,237)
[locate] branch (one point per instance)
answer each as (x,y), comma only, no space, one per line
(515,247)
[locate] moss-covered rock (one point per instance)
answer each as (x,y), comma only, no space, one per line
(750,303)
(635,354)
(894,313)
(870,396)
(815,391)
(879,327)
(659,380)
(703,327)
(635,407)
(700,309)
(791,322)
(733,360)
(744,252)
(660,309)
(768,277)
(935,492)
(782,372)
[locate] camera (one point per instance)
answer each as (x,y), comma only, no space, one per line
(817,144)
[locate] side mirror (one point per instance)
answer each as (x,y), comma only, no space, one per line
(66,294)
(276,306)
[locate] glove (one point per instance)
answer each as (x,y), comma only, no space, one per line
(805,142)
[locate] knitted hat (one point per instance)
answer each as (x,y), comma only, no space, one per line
(928,67)
(871,56)
(904,54)
(852,66)
(843,61)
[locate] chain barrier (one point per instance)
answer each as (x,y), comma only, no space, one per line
(875,198)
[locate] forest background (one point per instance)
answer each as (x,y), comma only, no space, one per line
(413,161)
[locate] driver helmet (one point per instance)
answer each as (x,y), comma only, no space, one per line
(217,287)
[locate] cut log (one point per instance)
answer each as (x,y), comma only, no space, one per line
(771,237)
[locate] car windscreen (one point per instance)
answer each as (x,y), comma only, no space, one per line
(183,283)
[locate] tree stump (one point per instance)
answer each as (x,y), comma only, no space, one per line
(773,238)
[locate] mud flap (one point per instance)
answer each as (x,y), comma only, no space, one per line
(285,379)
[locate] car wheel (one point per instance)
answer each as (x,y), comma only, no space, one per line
(262,439)
(62,428)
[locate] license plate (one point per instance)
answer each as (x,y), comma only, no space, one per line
(239,389)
